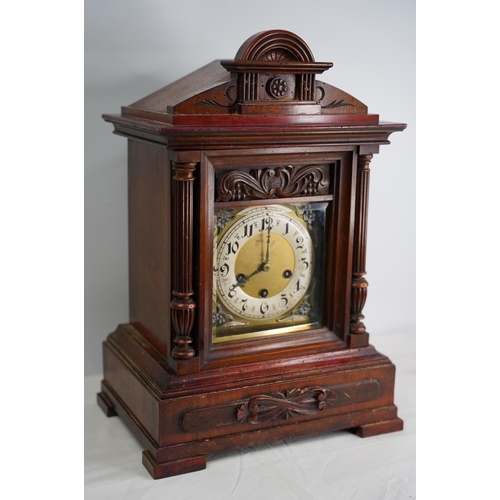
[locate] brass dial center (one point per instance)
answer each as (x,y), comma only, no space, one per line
(252,255)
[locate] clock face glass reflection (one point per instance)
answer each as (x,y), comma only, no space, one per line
(268,263)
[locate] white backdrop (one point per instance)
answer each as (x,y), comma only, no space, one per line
(133,48)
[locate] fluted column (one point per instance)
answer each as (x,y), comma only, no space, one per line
(358,334)
(182,306)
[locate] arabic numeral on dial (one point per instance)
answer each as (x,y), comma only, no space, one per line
(304,264)
(224,270)
(297,287)
(232,291)
(286,228)
(299,242)
(248,231)
(245,305)
(264,307)
(267,221)
(283,300)
(232,247)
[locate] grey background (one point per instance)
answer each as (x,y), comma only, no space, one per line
(133,48)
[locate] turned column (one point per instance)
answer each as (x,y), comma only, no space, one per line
(182,306)
(358,335)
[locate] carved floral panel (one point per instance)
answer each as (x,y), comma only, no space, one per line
(279,182)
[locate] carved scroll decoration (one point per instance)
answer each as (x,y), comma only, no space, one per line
(337,104)
(280,182)
(182,306)
(230,95)
(285,405)
(203,419)
(359,285)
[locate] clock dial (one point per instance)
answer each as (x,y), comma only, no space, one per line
(267,270)
(264,263)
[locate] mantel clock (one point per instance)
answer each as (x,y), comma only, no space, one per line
(248,195)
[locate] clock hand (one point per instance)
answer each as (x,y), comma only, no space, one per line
(241,282)
(244,279)
(268,241)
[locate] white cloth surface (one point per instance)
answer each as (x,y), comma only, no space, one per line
(337,465)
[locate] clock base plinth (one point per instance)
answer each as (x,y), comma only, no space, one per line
(105,405)
(168,469)
(376,428)
(180,419)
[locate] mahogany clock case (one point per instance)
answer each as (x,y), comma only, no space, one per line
(256,131)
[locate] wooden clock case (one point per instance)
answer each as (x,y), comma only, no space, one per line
(258,129)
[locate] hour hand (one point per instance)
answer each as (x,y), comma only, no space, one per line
(242,279)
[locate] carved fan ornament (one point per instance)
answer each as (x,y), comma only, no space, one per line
(279,55)
(280,182)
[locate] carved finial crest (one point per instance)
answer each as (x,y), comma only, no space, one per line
(274,66)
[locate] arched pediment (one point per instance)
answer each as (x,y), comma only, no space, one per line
(277,45)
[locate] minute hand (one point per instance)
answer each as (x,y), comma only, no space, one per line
(268,241)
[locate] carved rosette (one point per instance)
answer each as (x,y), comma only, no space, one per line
(359,288)
(182,306)
(285,405)
(277,88)
(280,182)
